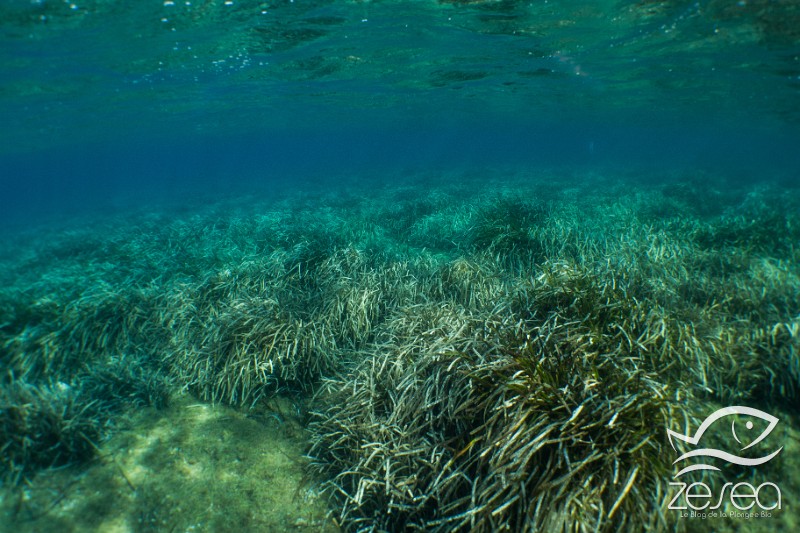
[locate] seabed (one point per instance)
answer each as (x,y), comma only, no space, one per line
(482,351)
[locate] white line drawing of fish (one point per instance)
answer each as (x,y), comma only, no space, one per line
(725,456)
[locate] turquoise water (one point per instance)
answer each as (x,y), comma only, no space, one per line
(387,266)
(104,100)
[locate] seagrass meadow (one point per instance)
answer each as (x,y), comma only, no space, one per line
(399,265)
(453,351)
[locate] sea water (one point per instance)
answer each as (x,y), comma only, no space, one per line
(238,238)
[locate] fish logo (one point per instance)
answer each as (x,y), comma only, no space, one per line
(719,454)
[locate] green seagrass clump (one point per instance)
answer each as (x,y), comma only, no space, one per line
(483,426)
(44,426)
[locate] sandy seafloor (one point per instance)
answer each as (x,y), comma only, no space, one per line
(190,467)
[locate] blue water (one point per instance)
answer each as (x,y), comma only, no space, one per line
(593,205)
(107,104)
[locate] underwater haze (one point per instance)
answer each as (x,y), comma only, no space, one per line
(108,101)
(436,265)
